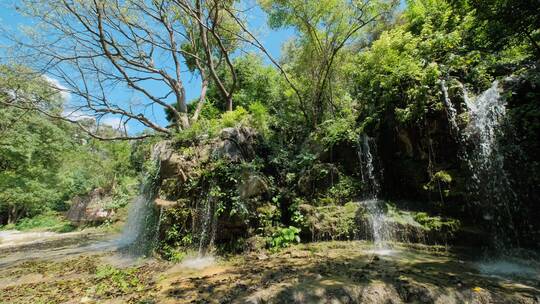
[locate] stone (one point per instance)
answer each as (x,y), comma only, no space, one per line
(164,203)
(236,144)
(252,185)
(171,163)
(90,208)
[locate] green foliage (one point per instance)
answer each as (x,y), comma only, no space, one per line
(256,82)
(51,221)
(111,278)
(339,130)
(331,222)
(435,222)
(284,237)
(45,162)
(346,189)
(205,129)
(440,181)
(172,254)
(500,23)
(422,220)
(318,60)
(30,154)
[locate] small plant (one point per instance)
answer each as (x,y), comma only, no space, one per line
(284,237)
(111,279)
(172,254)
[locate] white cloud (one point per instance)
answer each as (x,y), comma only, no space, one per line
(115,122)
(63,90)
(76,115)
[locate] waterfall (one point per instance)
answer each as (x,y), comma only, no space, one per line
(377,217)
(139,234)
(207,227)
(490,185)
(450,109)
(485,160)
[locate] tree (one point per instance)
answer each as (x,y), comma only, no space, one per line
(44,162)
(30,146)
(326,28)
(99,46)
(503,22)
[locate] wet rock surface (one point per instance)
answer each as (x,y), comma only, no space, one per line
(325,272)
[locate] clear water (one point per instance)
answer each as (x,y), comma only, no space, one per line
(450,109)
(490,183)
(139,234)
(510,268)
(380,229)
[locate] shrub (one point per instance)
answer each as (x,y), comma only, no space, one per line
(284,237)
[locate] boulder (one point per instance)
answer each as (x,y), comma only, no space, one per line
(172,163)
(90,208)
(236,144)
(164,203)
(252,185)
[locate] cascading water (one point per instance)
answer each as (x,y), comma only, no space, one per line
(450,109)
(490,181)
(207,226)
(140,231)
(377,217)
(490,185)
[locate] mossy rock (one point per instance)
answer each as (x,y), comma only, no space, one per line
(331,222)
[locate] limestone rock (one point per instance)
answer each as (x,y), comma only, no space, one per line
(164,203)
(252,185)
(236,144)
(90,208)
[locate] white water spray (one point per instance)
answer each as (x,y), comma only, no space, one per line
(378,222)
(490,181)
(140,231)
(450,109)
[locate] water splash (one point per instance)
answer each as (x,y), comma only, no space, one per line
(140,231)
(485,159)
(450,109)
(369,175)
(207,225)
(378,223)
(198,262)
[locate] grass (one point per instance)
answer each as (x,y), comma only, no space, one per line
(51,221)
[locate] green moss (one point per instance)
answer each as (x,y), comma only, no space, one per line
(111,279)
(423,220)
(331,222)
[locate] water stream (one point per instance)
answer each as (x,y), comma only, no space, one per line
(450,109)
(490,184)
(380,231)
(207,226)
(139,235)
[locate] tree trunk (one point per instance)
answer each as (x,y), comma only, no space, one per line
(201,101)
(229,103)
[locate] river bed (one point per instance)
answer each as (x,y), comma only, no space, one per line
(91,269)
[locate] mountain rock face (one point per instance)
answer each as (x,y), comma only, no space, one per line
(194,180)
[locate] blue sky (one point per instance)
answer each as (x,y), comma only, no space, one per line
(11,20)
